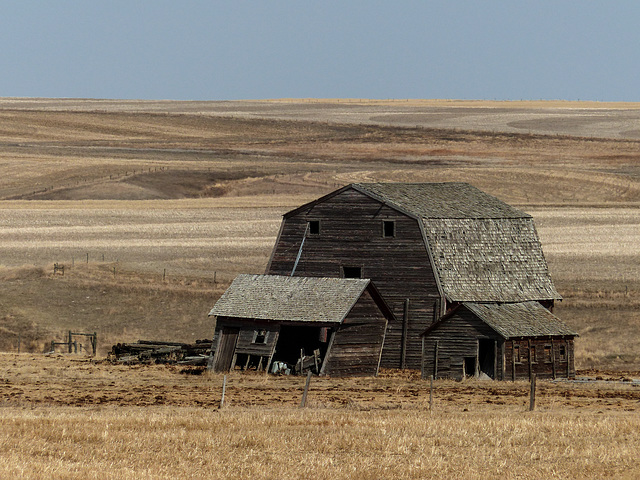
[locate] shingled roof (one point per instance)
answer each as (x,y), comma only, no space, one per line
(295,299)
(482,248)
(441,200)
(527,319)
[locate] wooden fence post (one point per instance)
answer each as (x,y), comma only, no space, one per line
(430,393)
(532,394)
(303,403)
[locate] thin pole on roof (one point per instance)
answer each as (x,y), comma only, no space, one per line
(295,265)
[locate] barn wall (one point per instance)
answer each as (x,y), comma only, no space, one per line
(457,338)
(351,235)
(546,362)
(357,343)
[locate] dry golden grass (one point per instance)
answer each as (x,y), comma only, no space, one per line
(66,418)
(167,443)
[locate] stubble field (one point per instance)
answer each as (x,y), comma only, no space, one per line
(153,207)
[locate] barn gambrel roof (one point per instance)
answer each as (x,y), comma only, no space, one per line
(292,299)
(483,249)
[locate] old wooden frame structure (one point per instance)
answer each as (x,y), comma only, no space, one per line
(498,341)
(334,326)
(428,248)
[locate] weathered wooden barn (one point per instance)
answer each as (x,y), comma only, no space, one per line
(427,247)
(337,325)
(508,341)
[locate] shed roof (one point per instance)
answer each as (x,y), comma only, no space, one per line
(526,319)
(295,299)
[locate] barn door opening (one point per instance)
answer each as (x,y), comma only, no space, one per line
(487,357)
(226,349)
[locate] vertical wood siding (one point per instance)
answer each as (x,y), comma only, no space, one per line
(351,234)
(549,365)
(457,337)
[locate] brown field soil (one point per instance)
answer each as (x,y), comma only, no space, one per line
(73,417)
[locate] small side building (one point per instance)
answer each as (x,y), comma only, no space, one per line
(508,341)
(261,319)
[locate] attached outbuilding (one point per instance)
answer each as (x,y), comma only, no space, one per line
(508,341)
(336,326)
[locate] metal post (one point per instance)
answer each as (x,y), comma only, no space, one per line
(224,388)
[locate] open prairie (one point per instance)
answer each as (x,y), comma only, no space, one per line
(153,207)
(69,417)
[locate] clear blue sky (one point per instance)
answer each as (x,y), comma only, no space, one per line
(225,50)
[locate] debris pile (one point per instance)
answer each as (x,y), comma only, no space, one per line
(151,351)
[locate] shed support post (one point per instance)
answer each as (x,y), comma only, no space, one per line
(405,333)
(503,362)
(513,362)
(553,358)
(495,359)
(435,360)
(529,355)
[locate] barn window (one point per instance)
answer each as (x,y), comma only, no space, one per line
(352,272)
(562,353)
(314,227)
(260,336)
(388,228)
(516,354)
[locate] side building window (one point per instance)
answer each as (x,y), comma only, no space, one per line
(388,228)
(260,336)
(516,354)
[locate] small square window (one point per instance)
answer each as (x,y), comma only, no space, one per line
(314,227)
(388,228)
(260,336)
(547,353)
(534,354)
(516,354)
(563,353)
(352,272)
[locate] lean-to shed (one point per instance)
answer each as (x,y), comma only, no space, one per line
(510,341)
(338,324)
(428,247)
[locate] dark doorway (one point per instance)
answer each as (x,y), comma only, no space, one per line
(469,366)
(226,349)
(293,339)
(487,357)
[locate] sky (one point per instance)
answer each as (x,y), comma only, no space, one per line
(230,50)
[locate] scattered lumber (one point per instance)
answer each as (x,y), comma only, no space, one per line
(152,351)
